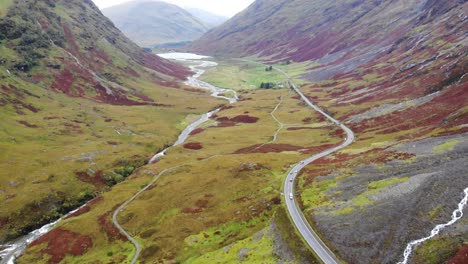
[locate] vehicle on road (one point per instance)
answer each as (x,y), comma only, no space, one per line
(291,196)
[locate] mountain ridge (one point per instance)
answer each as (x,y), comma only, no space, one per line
(149,23)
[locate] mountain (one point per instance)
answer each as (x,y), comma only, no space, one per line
(79,104)
(149,23)
(209,19)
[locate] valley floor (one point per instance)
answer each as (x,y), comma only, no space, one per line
(220,196)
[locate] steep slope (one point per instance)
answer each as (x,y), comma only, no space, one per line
(81,107)
(149,23)
(304,30)
(209,19)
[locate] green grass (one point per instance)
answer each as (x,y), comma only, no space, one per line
(240,75)
(363,199)
(447,146)
(4,5)
(259,248)
(377,185)
(315,195)
(436,250)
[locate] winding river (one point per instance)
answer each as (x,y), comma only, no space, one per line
(9,252)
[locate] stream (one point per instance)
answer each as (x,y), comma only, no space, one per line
(10,251)
(456,215)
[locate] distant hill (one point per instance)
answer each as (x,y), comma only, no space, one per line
(150,23)
(210,19)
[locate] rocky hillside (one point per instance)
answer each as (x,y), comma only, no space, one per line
(72,90)
(150,23)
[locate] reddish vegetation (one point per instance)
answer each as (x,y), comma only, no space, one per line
(225,123)
(62,242)
(80,212)
(307,120)
(86,208)
(194,90)
(194,146)
(63,82)
(101,55)
(172,84)
(202,203)
(24,105)
(245,119)
(192,210)
(304,128)
(164,66)
(267,148)
(25,123)
(97,180)
(243,199)
(276,148)
(72,45)
(227,107)
(423,117)
(3,222)
(36,78)
(109,228)
(117,98)
(461,257)
(132,72)
(228,122)
(197,131)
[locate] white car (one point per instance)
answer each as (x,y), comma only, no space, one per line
(291,196)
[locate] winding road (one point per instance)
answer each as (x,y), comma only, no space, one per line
(298,218)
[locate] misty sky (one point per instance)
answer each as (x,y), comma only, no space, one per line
(221,7)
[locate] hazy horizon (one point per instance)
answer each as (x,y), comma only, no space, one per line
(227,9)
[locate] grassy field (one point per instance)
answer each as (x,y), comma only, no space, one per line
(4,5)
(240,75)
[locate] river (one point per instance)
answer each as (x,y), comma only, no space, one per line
(9,252)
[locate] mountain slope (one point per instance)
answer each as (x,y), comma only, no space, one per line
(304,30)
(209,19)
(149,23)
(395,72)
(79,104)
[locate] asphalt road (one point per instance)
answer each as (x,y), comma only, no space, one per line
(298,218)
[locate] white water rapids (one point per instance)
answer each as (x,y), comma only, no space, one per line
(9,252)
(16,248)
(456,215)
